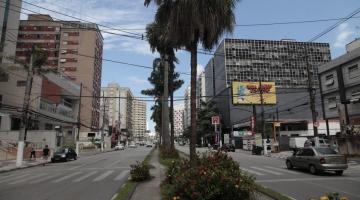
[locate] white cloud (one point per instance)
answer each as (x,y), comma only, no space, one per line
(138,81)
(343,36)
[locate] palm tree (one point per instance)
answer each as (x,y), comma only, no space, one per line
(188,23)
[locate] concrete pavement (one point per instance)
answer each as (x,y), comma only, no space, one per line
(93,177)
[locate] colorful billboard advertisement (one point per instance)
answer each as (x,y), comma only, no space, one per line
(249,92)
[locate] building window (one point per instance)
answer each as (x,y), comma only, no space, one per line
(63,51)
(353,71)
(15,123)
(355,94)
(329,80)
(21,83)
(62,60)
(65,42)
(332,103)
(48,126)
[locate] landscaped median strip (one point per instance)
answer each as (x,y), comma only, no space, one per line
(259,188)
(128,188)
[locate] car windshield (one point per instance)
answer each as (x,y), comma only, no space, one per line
(326,151)
(62,151)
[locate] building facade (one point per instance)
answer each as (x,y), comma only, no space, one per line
(139,120)
(340,88)
(187,108)
(75,49)
(178,120)
(283,62)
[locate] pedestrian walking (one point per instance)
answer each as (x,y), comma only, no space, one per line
(32,153)
(46,151)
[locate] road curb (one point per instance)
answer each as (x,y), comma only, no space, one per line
(24,167)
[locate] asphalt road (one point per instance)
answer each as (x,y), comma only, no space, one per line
(96,177)
(298,184)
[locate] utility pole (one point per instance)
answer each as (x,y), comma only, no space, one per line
(165,105)
(103,124)
(78,121)
(311,90)
(262,111)
(24,121)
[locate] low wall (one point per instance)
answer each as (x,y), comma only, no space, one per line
(349,145)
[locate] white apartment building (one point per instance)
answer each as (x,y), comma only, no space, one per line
(178,120)
(187,109)
(139,120)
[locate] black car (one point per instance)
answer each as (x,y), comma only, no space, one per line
(64,154)
(228,147)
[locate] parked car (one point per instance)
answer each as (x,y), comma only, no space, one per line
(119,147)
(132,145)
(64,154)
(228,147)
(148,145)
(256,150)
(317,159)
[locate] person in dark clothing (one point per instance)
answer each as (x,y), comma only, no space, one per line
(46,151)
(32,153)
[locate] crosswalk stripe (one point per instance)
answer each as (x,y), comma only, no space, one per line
(85,176)
(282,170)
(66,177)
(102,176)
(252,171)
(28,178)
(122,175)
(11,175)
(266,170)
(14,178)
(44,178)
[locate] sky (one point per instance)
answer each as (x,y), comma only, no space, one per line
(133,16)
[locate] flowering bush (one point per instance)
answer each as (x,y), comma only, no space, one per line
(217,176)
(139,172)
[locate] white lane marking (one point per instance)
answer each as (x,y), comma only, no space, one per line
(102,176)
(83,165)
(252,171)
(283,170)
(66,177)
(14,178)
(266,170)
(122,175)
(28,178)
(44,178)
(84,177)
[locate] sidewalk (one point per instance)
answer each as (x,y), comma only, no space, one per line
(150,190)
(9,165)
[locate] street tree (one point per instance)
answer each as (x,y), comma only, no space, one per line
(188,23)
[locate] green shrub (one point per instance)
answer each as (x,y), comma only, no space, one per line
(139,172)
(217,176)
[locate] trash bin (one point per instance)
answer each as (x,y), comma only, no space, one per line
(257,150)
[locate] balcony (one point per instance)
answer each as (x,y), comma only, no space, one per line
(57,110)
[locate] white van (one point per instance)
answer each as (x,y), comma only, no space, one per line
(297,142)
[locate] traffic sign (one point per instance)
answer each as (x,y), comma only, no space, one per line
(215,120)
(316,124)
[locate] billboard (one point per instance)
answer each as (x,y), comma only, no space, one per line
(249,92)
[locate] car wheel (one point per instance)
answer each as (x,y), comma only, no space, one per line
(288,164)
(312,169)
(75,157)
(339,173)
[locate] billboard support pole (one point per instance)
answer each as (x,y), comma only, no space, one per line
(262,113)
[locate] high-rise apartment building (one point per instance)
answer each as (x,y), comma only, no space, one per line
(187,107)
(74,48)
(9,21)
(139,120)
(284,62)
(200,89)
(178,120)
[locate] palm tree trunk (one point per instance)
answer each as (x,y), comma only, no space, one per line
(193,157)
(165,106)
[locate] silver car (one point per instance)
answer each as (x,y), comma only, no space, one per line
(317,159)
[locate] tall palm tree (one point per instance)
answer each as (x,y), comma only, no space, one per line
(188,23)
(159,42)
